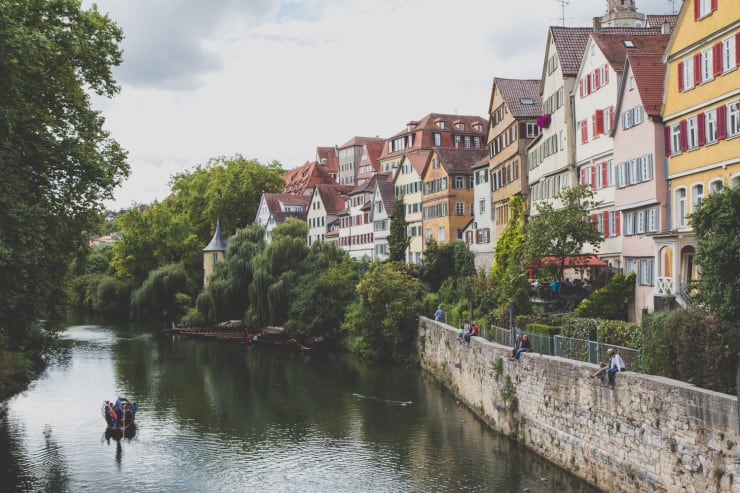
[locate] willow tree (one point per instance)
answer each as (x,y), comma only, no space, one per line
(509,272)
(164,295)
(58,162)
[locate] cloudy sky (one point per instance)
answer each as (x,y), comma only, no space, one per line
(274,79)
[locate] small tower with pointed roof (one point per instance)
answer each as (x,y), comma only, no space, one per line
(622,13)
(214,252)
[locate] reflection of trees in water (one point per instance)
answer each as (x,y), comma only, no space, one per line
(11,471)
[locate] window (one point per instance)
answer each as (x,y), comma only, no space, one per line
(652,220)
(710,126)
(716,186)
(459,182)
(482,206)
(697,195)
(692,133)
(728,54)
(437,139)
(459,208)
(631,82)
(675,139)
(681,207)
(532,130)
(632,117)
(703,8)
(457,141)
(686,75)
(706,65)
(733,119)
(441,234)
(645,268)
(467,142)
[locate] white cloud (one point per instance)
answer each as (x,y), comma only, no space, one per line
(272,80)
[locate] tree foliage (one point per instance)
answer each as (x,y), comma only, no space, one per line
(398,239)
(160,296)
(445,260)
(611,301)
(717,226)
(382,322)
(562,232)
(509,271)
(58,163)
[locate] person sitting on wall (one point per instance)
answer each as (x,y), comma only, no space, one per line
(525,347)
(517,345)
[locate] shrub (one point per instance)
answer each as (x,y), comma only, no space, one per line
(612,301)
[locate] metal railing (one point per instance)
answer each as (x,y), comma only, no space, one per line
(566,347)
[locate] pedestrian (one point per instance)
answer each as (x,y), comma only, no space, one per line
(525,347)
(616,364)
(517,345)
(438,314)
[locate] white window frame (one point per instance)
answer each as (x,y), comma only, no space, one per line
(688,73)
(733,119)
(697,195)
(645,271)
(692,133)
(675,139)
(681,208)
(707,66)
(710,126)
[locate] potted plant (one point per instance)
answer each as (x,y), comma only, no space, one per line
(543,121)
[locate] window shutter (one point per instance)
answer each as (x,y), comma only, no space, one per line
(594,127)
(696,9)
(700,124)
(611,117)
(583,176)
(697,68)
(584,131)
(680,77)
(737,49)
(717,59)
(588,83)
(714,5)
(604,174)
(581,87)
(722,122)
(617,225)
(683,136)
(597,79)
(594,222)
(606,75)
(667,133)
(605,223)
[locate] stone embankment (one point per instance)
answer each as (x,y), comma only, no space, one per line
(646,434)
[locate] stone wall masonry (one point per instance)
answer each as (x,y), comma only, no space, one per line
(647,434)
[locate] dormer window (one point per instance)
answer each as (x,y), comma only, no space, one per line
(526,101)
(628,43)
(441,124)
(478,127)
(461,126)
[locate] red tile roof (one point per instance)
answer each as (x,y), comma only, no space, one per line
(571,42)
(388,195)
(418,160)
(649,73)
(299,180)
(332,160)
(514,90)
(614,48)
(360,141)
(332,196)
(459,161)
(659,20)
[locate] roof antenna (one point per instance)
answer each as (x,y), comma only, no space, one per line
(563,4)
(673,5)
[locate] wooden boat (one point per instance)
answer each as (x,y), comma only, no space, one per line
(119,415)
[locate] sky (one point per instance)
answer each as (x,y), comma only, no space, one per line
(272,80)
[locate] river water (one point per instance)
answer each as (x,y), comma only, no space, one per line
(225,417)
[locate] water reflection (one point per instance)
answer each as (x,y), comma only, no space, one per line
(220,417)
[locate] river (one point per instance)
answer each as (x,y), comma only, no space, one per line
(225,417)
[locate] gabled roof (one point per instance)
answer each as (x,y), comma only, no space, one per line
(387,195)
(615,50)
(483,163)
(276,201)
(331,196)
(571,42)
(649,73)
(429,122)
(459,161)
(418,160)
(330,155)
(659,20)
(360,141)
(280,217)
(369,186)
(298,180)
(218,243)
(513,91)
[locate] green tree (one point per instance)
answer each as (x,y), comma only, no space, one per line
(612,301)
(562,232)
(160,297)
(509,271)
(717,229)
(382,322)
(58,163)
(398,239)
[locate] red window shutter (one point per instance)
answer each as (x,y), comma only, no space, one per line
(714,5)
(722,122)
(680,76)
(594,130)
(604,174)
(611,117)
(700,124)
(584,131)
(667,133)
(583,176)
(717,59)
(581,87)
(606,74)
(593,177)
(588,83)
(594,222)
(616,220)
(599,122)
(605,223)
(683,136)
(697,68)
(696,9)
(737,49)
(596,79)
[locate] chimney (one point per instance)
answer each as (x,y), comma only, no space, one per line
(665,28)
(597,24)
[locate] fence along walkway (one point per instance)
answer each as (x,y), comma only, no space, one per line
(566,347)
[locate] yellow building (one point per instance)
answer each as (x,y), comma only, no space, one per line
(447,193)
(213,253)
(701,113)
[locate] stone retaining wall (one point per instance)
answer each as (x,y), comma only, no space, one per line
(646,434)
